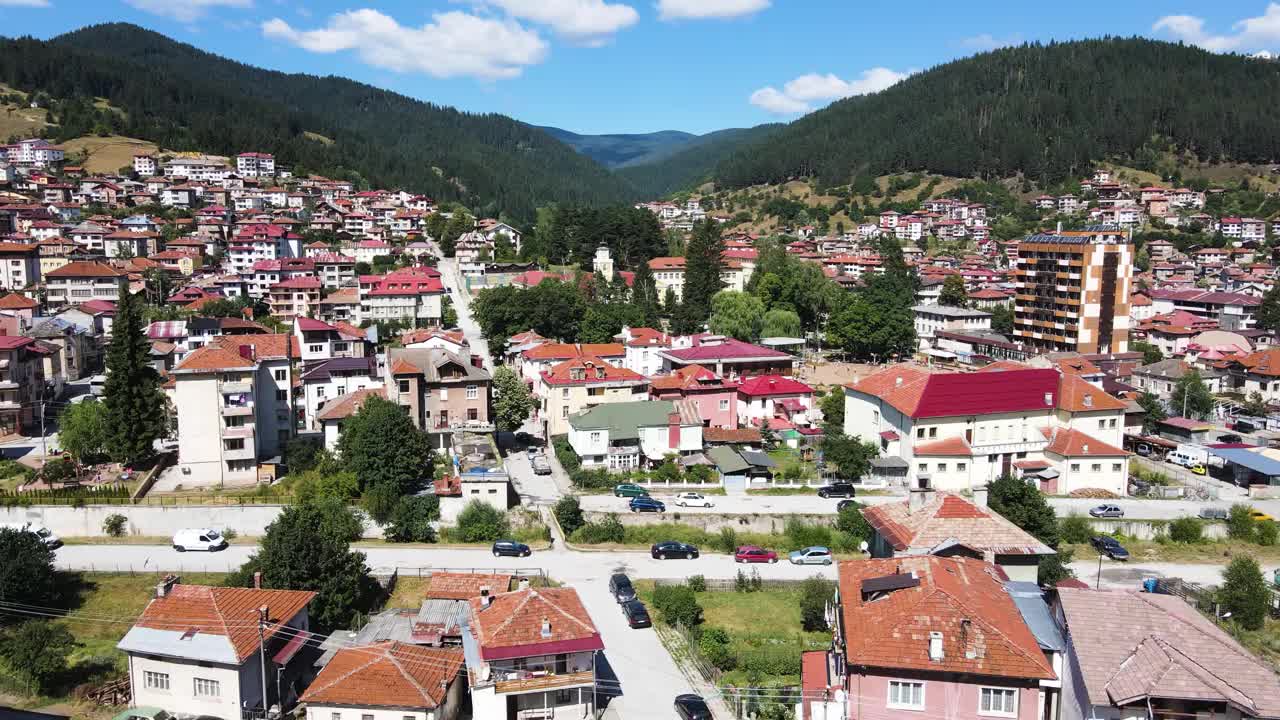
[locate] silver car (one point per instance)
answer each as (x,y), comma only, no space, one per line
(816,555)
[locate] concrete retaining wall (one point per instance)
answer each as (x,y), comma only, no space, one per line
(246,520)
(1149,529)
(712,522)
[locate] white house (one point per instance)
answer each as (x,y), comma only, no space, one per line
(629,435)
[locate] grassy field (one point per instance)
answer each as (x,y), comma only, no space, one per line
(1218,552)
(108,154)
(20,120)
(409,592)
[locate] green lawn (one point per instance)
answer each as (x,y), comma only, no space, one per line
(1217,552)
(409,592)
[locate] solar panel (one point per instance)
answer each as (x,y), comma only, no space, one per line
(888,583)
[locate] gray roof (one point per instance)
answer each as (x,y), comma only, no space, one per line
(950,311)
(1036,614)
(727,459)
(757,458)
(1169,369)
(201,646)
(430,360)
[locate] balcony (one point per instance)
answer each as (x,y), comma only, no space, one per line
(235,388)
(241,410)
(523,681)
(240,431)
(242,453)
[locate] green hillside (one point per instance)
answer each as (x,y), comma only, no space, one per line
(620,150)
(685,166)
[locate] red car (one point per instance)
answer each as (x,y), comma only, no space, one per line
(753,554)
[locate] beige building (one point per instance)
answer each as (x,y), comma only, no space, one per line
(443,391)
(580,384)
(1073,291)
(80,281)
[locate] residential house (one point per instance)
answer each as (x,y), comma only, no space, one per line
(583,382)
(715,398)
(81,281)
(631,435)
(200,650)
(22,383)
(407,294)
(19,265)
(727,357)
(539,356)
(763,398)
(532,654)
(442,391)
(1257,372)
(932,318)
(388,680)
(318,340)
(642,348)
(326,380)
(78,349)
(336,411)
(295,297)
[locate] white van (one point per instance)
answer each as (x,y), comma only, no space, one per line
(206,539)
(41,532)
(98,385)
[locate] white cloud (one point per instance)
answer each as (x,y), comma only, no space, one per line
(454,44)
(25,3)
(586,21)
(1253,33)
(704,9)
(987,41)
(185,10)
(798,95)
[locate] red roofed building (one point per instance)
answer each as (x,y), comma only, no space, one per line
(389,677)
(582,382)
(715,397)
(765,397)
(405,294)
(22,382)
(964,430)
(297,296)
(726,356)
(535,652)
(931,636)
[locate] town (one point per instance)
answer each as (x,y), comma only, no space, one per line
(284,440)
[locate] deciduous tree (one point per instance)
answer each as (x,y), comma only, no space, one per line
(512,401)
(1191,396)
(736,314)
(1244,593)
(381,446)
(953,292)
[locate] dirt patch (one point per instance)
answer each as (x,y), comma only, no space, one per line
(108,154)
(834,373)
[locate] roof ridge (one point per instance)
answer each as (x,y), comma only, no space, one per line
(217,609)
(1036,658)
(390,655)
(1198,669)
(314,689)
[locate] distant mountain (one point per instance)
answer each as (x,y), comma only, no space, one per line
(614,151)
(182,98)
(1047,112)
(685,166)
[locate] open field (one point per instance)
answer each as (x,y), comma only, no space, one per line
(20,120)
(108,154)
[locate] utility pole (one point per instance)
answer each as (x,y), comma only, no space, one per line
(262,654)
(1098,584)
(44,445)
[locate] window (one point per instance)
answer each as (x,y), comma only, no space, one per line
(1115,467)
(933,433)
(1102,424)
(564,411)
(724,405)
(473,392)
(919,433)
(595,437)
(473,414)
(282,396)
(924,467)
(281,374)
(366,717)
(942,467)
(155,680)
(960,467)
(998,701)
(1075,467)
(906,695)
(564,394)
(235,444)
(1096,467)
(320,392)
(404,386)
(444,393)
(1111,423)
(315,348)
(335,716)
(207,688)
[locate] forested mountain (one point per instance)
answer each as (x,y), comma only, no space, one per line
(1047,111)
(685,166)
(621,150)
(185,99)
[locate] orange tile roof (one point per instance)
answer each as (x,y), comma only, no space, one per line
(953,446)
(228,611)
(464,586)
(268,346)
(514,620)
(564,351)
(14,301)
(947,516)
(84,268)
(1075,394)
(1073,443)
(386,674)
(687,378)
(901,386)
(345,406)
(982,631)
(1263,362)
(596,371)
(214,357)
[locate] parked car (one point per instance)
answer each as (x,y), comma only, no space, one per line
(629,490)
(1213,513)
(1143,449)
(1229,438)
(511,548)
(1109,546)
(840,506)
(525,438)
(844,490)
(1198,469)
(621,589)
(540,465)
(46,535)
(637,614)
(753,554)
(692,499)
(1243,426)
(815,555)
(206,539)
(692,707)
(1107,511)
(644,503)
(1260,516)
(672,549)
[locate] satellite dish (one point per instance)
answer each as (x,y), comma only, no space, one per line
(863,546)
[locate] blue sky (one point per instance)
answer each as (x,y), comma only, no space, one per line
(598,66)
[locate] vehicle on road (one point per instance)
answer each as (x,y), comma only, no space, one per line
(1198,469)
(754,554)
(1213,513)
(205,539)
(1229,438)
(1109,546)
(844,490)
(98,385)
(1243,426)
(1143,449)
(540,465)
(525,438)
(693,499)
(644,503)
(1189,454)
(1260,516)
(45,534)
(511,548)
(1107,511)
(815,555)
(621,588)
(637,614)
(673,549)
(692,707)
(840,506)
(629,490)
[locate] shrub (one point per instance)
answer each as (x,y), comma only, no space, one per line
(479,522)
(697,583)
(740,583)
(677,605)
(230,534)
(815,593)
(115,525)
(701,474)
(714,646)
(1240,524)
(1244,592)
(411,519)
(609,530)
(851,522)
(598,479)
(1075,528)
(770,660)
(1186,530)
(568,512)
(727,540)
(1267,533)
(565,454)
(801,535)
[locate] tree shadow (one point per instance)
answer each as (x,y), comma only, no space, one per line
(71,588)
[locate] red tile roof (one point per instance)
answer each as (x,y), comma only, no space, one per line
(213,358)
(766,385)
(920,394)
(594,369)
(464,586)
(386,674)
(953,446)
(565,351)
(344,406)
(228,611)
(84,268)
(949,517)
(727,350)
(511,625)
(267,346)
(14,301)
(963,599)
(1073,443)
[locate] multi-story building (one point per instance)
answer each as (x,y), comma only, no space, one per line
(932,318)
(34,152)
(715,398)
(81,281)
(668,274)
(233,398)
(295,297)
(535,655)
(19,265)
(255,164)
(407,294)
(631,435)
(581,383)
(325,380)
(145,165)
(442,391)
(1073,291)
(22,383)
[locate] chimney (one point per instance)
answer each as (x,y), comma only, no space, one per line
(897,382)
(1088,400)
(935,646)
(980,496)
(921,494)
(257,580)
(524,584)
(1084,449)
(247,352)
(166,584)
(546,629)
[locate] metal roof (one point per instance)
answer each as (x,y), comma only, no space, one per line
(1254,461)
(1035,613)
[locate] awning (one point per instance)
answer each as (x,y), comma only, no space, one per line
(291,648)
(889,435)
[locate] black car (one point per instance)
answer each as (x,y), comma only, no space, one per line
(846,503)
(1244,426)
(1109,546)
(621,589)
(1229,438)
(692,707)
(673,549)
(511,548)
(637,614)
(526,439)
(844,490)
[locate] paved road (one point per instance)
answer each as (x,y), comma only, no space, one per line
(1129,576)
(453,280)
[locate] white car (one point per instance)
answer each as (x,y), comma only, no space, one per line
(45,534)
(692,499)
(206,539)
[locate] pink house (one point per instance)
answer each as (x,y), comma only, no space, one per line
(928,636)
(766,397)
(714,396)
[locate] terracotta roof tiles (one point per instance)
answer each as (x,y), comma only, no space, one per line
(227,611)
(386,674)
(944,518)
